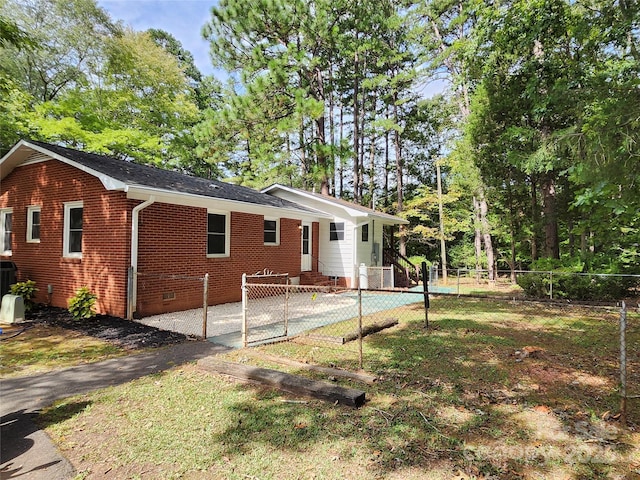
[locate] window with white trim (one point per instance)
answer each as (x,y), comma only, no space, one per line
(365,232)
(6,229)
(336,231)
(271,231)
(72,241)
(33,224)
(217,234)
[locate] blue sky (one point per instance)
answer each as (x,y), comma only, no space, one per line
(182,18)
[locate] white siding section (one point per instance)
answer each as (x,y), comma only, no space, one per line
(342,258)
(336,256)
(365,249)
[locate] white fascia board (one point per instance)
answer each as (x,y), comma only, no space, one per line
(140,192)
(108,182)
(352,212)
(18,154)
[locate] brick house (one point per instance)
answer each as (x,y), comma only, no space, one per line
(70,219)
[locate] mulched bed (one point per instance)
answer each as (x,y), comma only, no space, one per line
(124,333)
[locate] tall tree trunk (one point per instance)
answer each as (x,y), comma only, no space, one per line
(443,243)
(356,123)
(372,162)
(332,134)
(477,239)
(363,120)
(386,167)
(486,235)
(512,234)
(322,155)
(341,164)
(289,155)
(399,176)
(321,137)
(551,244)
(303,156)
(534,219)
(372,171)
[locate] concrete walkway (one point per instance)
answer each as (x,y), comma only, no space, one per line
(27,452)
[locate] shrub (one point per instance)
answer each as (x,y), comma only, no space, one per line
(594,287)
(534,284)
(578,287)
(27,290)
(82,304)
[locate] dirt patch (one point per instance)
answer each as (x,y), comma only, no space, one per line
(124,333)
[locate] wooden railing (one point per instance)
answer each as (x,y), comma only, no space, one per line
(405,273)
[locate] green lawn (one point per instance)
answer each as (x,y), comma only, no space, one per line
(41,348)
(454,401)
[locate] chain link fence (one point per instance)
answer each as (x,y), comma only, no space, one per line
(576,345)
(591,344)
(329,316)
(178,303)
(552,285)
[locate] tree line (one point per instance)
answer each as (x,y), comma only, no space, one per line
(533,137)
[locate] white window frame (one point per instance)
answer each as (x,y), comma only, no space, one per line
(272,219)
(339,232)
(364,227)
(227,234)
(3,214)
(67,229)
(30,211)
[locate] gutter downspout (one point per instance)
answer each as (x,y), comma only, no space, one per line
(135,221)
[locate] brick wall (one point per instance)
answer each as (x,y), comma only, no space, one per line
(172,242)
(180,250)
(106,233)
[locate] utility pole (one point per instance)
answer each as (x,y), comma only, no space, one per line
(443,246)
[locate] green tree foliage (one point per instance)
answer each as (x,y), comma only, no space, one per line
(536,134)
(554,114)
(90,84)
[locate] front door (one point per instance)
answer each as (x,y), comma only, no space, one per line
(306,247)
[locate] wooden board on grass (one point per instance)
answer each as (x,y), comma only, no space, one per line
(351,336)
(283,381)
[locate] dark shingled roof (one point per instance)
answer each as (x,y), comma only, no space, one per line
(134,174)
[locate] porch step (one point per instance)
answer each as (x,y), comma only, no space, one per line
(315,278)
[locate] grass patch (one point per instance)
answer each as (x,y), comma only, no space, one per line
(452,400)
(44,348)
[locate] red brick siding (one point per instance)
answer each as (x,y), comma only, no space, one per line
(106,233)
(180,250)
(172,241)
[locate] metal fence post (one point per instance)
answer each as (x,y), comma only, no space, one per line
(360,362)
(244,309)
(286,307)
(205,304)
(623,365)
(425,288)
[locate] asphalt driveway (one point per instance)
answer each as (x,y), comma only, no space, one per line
(27,452)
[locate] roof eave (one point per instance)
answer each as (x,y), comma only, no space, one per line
(14,160)
(142,192)
(388,219)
